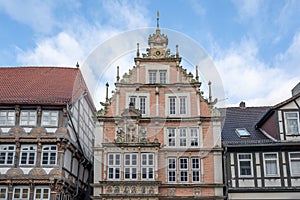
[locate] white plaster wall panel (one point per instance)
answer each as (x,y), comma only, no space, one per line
(232,171)
(218,171)
(75,166)
(272,182)
(246,183)
(258,183)
(51,130)
(290,105)
(295,182)
(258,171)
(67,160)
(257,158)
(26,170)
(231,158)
(4,170)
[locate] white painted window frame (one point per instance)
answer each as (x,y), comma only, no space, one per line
(116,165)
(178,138)
(49,152)
(157,69)
(28,150)
(294,159)
(8,116)
(132,166)
(138,96)
(286,118)
(246,160)
(177,96)
(28,118)
(22,188)
(173,170)
(3,191)
(195,169)
(42,193)
(271,159)
(7,150)
(147,166)
(183,169)
(50,118)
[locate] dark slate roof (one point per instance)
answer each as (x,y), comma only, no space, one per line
(41,85)
(247,117)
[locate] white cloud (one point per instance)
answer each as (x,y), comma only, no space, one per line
(36,14)
(247,78)
(247,8)
(197,7)
(79,37)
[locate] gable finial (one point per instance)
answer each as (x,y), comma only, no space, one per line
(138,50)
(118,74)
(157,20)
(106,98)
(77,65)
(197,73)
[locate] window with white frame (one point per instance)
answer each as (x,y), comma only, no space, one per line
(21,193)
(162,76)
(7,118)
(28,118)
(171,137)
(295,163)
(157,76)
(49,118)
(245,164)
(3,193)
(152,76)
(171,169)
(7,154)
(182,137)
(147,166)
(130,166)
(172,105)
(292,123)
(182,105)
(195,169)
(114,164)
(42,193)
(177,105)
(139,102)
(194,137)
(49,155)
(271,164)
(183,169)
(28,154)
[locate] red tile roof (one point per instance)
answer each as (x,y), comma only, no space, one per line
(41,85)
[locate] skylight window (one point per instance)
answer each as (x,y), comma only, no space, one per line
(242,132)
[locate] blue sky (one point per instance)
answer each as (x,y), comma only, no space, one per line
(254,44)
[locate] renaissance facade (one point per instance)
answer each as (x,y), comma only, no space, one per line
(156,137)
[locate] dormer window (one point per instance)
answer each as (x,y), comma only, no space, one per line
(242,132)
(292,123)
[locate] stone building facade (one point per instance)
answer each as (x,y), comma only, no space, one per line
(46,134)
(156,137)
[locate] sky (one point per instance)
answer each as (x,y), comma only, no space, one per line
(254,44)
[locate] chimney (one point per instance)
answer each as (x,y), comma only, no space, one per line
(242,104)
